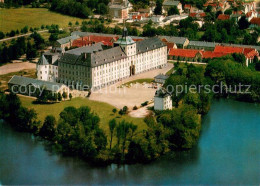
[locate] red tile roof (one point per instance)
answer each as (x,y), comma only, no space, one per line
(249,14)
(211,54)
(183,52)
(188,6)
(89,40)
(255,21)
(237,12)
(228,49)
(223,17)
(248,52)
(194,14)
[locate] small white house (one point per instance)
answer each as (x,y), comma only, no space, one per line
(162,100)
(157,18)
(161,78)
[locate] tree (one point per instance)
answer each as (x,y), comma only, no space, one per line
(12,33)
(125,109)
(53,37)
(173,11)
(77,23)
(240,58)
(112,126)
(38,40)
(64,95)
(70,24)
(133,129)
(121,112)
(114,110)
(243,23)
(31,52)
(70,96)
(59,96)
(2,35)
(158,8)
(48,129)
(25,29)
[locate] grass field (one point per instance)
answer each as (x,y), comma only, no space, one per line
(17,18)
(103,110)
(6,77)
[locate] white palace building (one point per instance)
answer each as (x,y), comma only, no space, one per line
(96,67)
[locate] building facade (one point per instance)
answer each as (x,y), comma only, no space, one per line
(99,68)
(47,66)
(162,100)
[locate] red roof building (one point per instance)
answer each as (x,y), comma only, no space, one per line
(198,15)
(92,39)
(228,49)
(255,21)
(211,54)
(184,53)
(249,53)
(223,17)
(187,6)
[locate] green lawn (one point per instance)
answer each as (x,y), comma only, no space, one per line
(146,80)
(103,110)
(170,71)
(17,18)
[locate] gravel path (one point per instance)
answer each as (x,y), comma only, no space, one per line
(15,67)
(130,97)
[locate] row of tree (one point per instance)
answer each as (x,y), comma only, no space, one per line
(22,46)
(81,9)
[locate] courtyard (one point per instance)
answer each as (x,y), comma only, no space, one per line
(132,95)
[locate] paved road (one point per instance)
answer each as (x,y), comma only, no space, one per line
(10,38)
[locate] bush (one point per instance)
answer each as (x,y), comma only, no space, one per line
(144,104)
(2,35)
(114,110)
(135,108)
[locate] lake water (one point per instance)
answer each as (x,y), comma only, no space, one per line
(228,152)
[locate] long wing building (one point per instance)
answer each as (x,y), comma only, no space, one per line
(96,67)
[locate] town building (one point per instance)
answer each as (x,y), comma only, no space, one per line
(181,42)
(250,15)
(223,17)
(190,55)
(249,53)
(119,9)
(29,86)
(200,45)
(97,68)
(162,100)
(255,22)
(187,8)
(65,42)
(167,4)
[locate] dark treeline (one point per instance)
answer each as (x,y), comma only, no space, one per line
(80,8)
(97,26)
(21,46)
(222,31)
(19,3)
(227,72)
